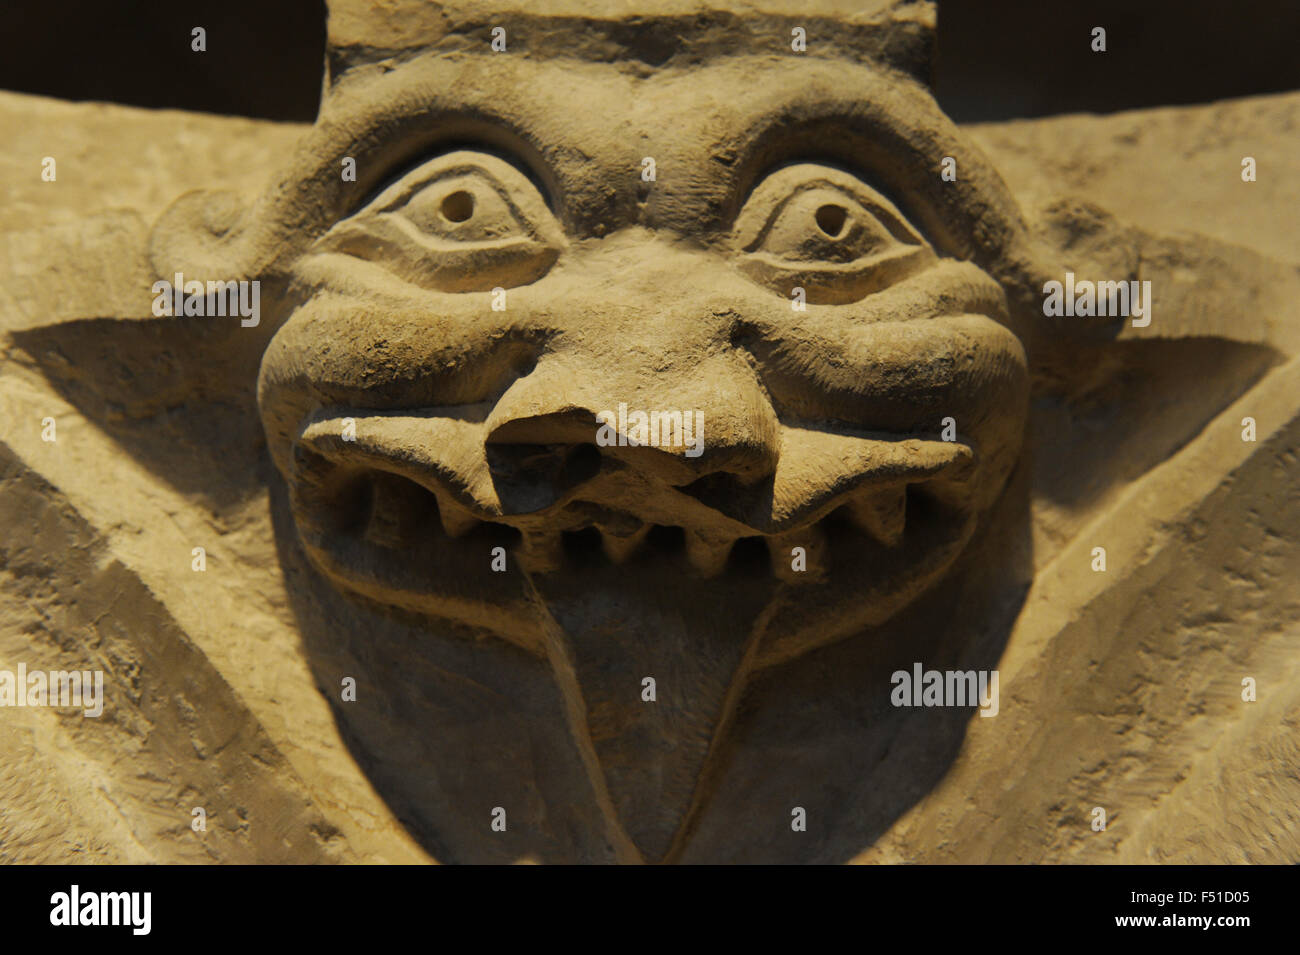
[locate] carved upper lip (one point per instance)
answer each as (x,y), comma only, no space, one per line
(819,473)
(817,470)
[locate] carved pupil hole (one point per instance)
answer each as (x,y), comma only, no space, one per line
(831,219)
(458,206)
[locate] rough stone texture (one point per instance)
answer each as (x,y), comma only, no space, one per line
(1182,156)
(332,558)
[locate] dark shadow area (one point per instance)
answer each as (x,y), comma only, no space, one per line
(1019,58)
(179,395)
(448,724)
(821,733)
(457,722)
(1013,58)
(263,60)
(1124,407)
(86,609)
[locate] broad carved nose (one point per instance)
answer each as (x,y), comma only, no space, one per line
(630,434)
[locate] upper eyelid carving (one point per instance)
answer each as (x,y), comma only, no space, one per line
(463,221)
(515,186)
(813,227)
(465,205)
(838,199)
(777,190)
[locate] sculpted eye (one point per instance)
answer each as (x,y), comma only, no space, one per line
(823,230)
(463,222)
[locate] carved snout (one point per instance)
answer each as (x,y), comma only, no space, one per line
(560,429)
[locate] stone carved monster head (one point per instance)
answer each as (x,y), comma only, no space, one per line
(504,269)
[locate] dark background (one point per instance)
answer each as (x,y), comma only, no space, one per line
(998,59)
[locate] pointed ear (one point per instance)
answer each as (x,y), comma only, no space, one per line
(203,235)
(1199,287)
(219,236)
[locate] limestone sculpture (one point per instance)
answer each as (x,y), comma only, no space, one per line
(647,389)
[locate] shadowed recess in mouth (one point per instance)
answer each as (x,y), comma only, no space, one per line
(392,512)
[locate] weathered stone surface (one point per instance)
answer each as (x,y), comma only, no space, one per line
(363,550)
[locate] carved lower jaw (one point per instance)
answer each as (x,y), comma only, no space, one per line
(612,599)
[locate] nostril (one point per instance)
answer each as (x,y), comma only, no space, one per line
(529,477)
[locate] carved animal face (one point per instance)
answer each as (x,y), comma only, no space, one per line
(450,379)
(550,267)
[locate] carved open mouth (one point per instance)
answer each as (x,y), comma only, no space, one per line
(388,510)
(409,523)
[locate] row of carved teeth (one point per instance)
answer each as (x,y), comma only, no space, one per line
(880,514)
